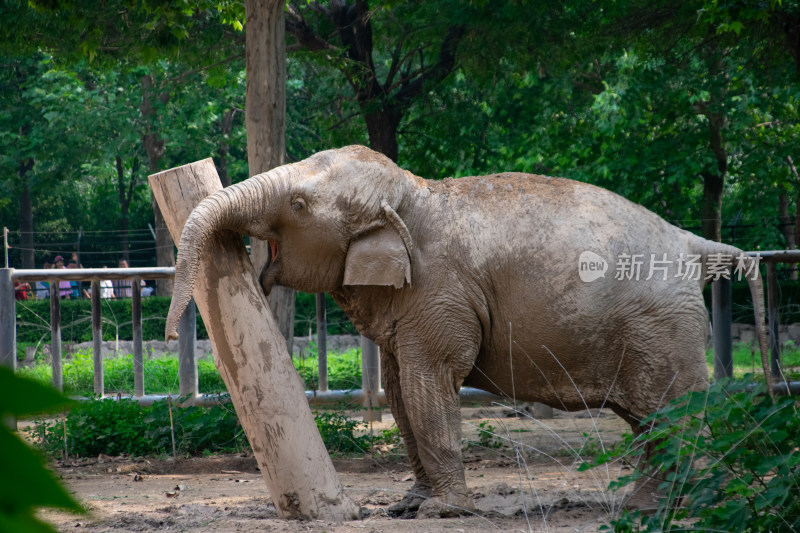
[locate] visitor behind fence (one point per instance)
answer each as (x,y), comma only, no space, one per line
(64,287)
(43,287)
(75,292)
(21,290)
(123,288)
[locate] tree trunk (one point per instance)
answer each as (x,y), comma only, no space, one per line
(124,206)
(712,206)
(154,146)
(787,225)
(265,389)
(225,127)
(714,182)
(382,129)
(26,217)
(265,121)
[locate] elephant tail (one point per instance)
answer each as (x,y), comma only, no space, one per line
(722,259)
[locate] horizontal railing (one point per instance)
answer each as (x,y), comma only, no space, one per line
(370,396)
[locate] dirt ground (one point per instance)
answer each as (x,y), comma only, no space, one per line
(530,484)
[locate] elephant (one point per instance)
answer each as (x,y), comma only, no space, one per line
(502,282)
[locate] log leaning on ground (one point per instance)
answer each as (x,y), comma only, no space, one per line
(251,357)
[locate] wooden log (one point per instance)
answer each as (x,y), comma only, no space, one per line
(250,354)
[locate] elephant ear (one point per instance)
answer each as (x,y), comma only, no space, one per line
(381,256)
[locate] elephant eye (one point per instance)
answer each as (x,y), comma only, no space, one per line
(298,204)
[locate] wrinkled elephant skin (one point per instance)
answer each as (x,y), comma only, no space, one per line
(513,283)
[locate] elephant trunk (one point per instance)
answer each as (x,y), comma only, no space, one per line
(242,208)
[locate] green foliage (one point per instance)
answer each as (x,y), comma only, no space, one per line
(25,483)
(33,320)
(344,370)
(305,316)
(727,459)
(119,427)
(338,433)
(487,437)
(161,374)
(114,427)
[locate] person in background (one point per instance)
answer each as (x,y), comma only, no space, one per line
(43,287)
(21,290)
(106,288)
(75,291)
(64,287)
(123,287)
(81,284)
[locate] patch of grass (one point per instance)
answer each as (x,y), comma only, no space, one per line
(161,374)
(344,370)
(747,359)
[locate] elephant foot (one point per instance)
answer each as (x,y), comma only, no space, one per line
(407,507)
(452,505)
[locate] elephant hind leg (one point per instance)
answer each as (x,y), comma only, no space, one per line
(422,488)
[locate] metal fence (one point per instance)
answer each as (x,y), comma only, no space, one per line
(721,318)
(370,395)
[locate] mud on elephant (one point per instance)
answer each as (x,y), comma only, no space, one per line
(512,283)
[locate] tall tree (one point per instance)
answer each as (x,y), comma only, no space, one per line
(265,119)
(413,56)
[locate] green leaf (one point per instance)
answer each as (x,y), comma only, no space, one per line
(25,483)
(23,523)
(21,397)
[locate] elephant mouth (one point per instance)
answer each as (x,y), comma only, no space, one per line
(272,252)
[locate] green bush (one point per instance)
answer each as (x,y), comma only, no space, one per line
(728,458)
(114,427)
(338,433)
(124,427)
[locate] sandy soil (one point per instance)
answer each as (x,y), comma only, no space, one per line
(530,484)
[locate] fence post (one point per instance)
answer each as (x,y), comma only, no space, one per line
(136,317)
(370,379)
(97,340)
(774,319)
(55,334)
(8,329)
(187,352)
(322,343)
(8,320)
(721,322)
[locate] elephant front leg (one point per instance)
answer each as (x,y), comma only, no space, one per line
(422,488)
(430,394)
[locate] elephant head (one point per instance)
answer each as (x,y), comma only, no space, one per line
(330,220)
